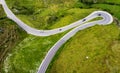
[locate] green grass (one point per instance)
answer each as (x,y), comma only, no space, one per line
(114,9)
(99,43)
(26,57)
(10,36)
(42,16)
(113,1)
(73,15)
(2,14)
(48,20)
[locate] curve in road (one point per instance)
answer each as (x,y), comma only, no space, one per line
(79,25)
(37,32)
(66,37)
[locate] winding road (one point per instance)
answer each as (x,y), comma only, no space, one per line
(77,26)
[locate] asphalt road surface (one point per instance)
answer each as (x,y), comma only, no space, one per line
(78,25)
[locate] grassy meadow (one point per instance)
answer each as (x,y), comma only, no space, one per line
(95,49)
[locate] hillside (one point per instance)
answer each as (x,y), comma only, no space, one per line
(95,49)
(10,35)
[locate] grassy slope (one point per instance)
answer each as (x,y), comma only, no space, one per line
(40,14)
(102,56)
(26,57)
(10,35)
(38,46)
(99,43)
(96,53)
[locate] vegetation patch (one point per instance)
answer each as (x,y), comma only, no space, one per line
(10,35)
(95,49)
(113,9)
